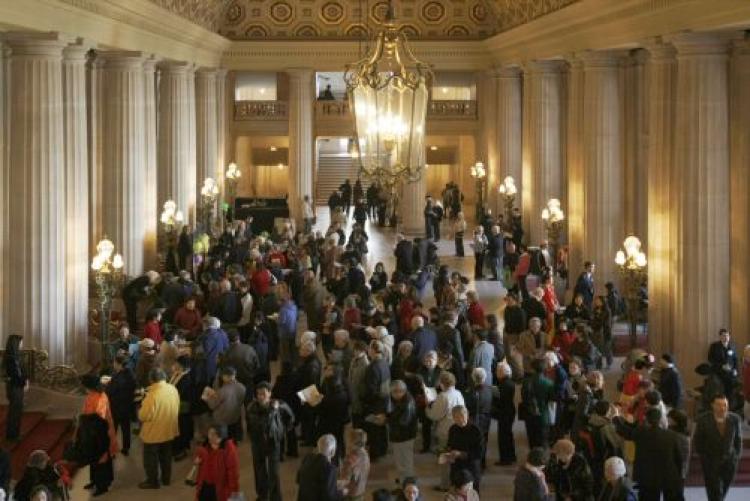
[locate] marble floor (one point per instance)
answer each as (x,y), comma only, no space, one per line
(496,483)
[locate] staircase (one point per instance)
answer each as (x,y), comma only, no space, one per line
(37,432)
(333,170)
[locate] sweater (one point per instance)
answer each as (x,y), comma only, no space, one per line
(159,412)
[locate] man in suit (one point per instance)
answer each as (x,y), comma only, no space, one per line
(585,284)
(722,355)
(670,382)
(718,442)
(245,361)
(404,253)
(658,458)
(316,476)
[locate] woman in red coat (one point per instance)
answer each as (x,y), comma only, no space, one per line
(152,329)
(475,313)
(218,468)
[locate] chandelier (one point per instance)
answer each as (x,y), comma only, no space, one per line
(388,93)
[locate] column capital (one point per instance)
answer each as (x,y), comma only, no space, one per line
(123,59)
(506,72)
(659,50)
(43,44)
(300,72)
(78,50)
(221,73)
(205,73)
(602,58)
(547,66)
(149,64)
(176,67)
(700,44)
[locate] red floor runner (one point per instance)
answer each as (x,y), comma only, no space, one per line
(46,436)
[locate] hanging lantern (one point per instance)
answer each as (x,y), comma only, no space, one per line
(388,93)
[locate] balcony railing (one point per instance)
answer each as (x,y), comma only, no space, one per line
(260,110)
(277,110)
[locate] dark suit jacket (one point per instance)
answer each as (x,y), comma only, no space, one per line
(718,356)
(317,479)
(670,387)
(405,257)
(585,287)
(479,403)
(658,456)
(713,448)
(121,394)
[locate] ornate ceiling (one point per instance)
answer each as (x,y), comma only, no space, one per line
(355,19)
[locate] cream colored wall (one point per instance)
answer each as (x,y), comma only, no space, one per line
(260,181)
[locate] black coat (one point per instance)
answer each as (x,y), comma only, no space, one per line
(478,401)
(404,257)
(468,439)
(267,425)
(621,491)
(528,487)
(333,410)
(716,449)
(670,387)
(658,456)
(503,400)
(308,373)
(377,387)
(515,320)
(495,245)
(718,357)
(574,481)
(316,478)
(121,394)
(402,420)
(535,308)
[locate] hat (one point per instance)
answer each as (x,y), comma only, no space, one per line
(92,382)
(147,343)
(537,457)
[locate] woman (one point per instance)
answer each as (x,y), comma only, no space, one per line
(356,466)
(463,487)
(218,468)
(152,329)
(16,383)
(402,429)
(459,227)
(400,368)
(333,410)
(480,247)
(428,376)
(439,412)
(97,402)
(379,278)
(549,299)
(601,325)
(38,473)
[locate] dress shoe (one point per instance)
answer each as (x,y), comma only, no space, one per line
(89,486)
(148,485)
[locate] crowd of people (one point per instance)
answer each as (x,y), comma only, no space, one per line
(285,341)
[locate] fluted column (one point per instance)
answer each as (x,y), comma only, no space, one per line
(176,148)
(509,125)
(95,115)
(3,194)
(76,202)
(662,211)
(635,133)
(221,125)
(739,195)
(486,138)
(151,206)
(411,207)
(206,125)
(702,299)
(124,157)
(300,139)
(602,162)
(542,154)
(576,178)
(36,198)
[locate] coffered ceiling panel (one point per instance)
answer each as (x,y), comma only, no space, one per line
(358,19)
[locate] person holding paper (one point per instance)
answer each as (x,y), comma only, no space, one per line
(376,400)
(308,374)
(428,375)
(439,412)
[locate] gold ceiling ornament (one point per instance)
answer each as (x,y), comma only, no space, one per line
(388,94)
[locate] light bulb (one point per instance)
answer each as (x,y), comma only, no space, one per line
(105,247)
(97,263)
(117,262)
(170,206)
(620,258)
(545,214)
(640,260)
(178,216)
(632,245)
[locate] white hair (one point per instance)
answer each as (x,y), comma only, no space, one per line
(381,331)
(212,323)
(307,336)
(308,346)
(341,334)
(479,375)
(615,466)
(551,358)
(327,445)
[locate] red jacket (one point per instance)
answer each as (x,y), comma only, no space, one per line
(475,314)
(219,467)
(261,280)
(152,330)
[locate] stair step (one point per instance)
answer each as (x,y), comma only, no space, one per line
(47,434)
(29,421)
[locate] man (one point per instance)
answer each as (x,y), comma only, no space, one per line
(670,382)
(308,215)
(617,486)
(504,410)
(287,328)
(530,483)
(447,332)
(245,361)
(515,321)
(424,338)
(568,473)
(228,308)
(722,355)
(326,94)
(159,413)
(495,252)
(429,219)
(478,401)
(184,248)
(213,342)
(334,201)
(375,400)
(317,476)
(134,291)
(532,342)
(346,196)
(266,424)
(308,374)
(718,442)
(658,457)
(585,284)
(465,445)
(121,394)
(537,391)
(357,370)
(126,344)
(404,253)
(534,306)
(189,319)
(226,403)
(482,354)
(313,296)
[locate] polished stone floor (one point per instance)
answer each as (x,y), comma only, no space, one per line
(497,481)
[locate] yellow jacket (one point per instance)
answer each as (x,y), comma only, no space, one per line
(159,412)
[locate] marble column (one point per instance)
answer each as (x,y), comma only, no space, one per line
(486,137)
(300,139)
(542,154)
(206,125)
(662,240)
(124,156)
(75,141)
(95,115)
(3,196)
(36,207)
(635,133)
(411,208)
(739,115)
(702,300)
(509,127)
(151,206)
(602,163)
(176,148)
(222,124)
(576,179)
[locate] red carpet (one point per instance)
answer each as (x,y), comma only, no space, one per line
(37,432)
